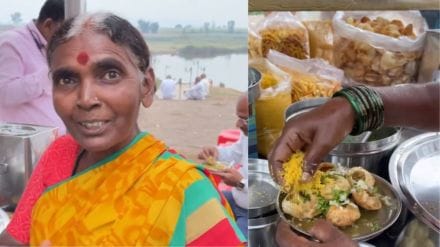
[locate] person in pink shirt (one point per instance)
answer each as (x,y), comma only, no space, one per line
(25,87)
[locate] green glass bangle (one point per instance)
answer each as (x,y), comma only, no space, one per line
(377,107)
(362,109)
(359,120)
(366,104)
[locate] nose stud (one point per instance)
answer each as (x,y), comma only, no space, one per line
(88,102)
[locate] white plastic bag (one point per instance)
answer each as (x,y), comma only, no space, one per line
(310,78)
(270,106)
(377,59)
(254,38)
(283,32)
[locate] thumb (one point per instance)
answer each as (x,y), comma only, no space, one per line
(324,231)
(281,152)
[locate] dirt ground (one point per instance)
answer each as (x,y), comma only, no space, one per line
(188,125)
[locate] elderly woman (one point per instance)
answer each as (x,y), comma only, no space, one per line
(108,183)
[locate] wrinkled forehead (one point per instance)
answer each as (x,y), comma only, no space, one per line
(89,47)
(90,27)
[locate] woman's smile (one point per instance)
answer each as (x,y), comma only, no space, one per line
(93,127)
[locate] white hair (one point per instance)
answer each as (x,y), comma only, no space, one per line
(83,22)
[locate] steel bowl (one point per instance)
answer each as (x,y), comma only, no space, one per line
(4,220)
(262,230)
(303,106)
(415,173)
(417,233)
(262,189)
(370,150)
(254,77)
(384,217)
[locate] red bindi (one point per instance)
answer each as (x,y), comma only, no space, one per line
(82,58)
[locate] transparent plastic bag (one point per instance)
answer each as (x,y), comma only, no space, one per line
(379,48)
(321,39)
(272,103)
(283,32)
(310,78)
(254,38)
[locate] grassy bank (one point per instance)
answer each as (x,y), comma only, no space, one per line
(197,44)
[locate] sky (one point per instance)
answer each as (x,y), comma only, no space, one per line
(167,12)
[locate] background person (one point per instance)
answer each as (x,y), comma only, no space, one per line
(206,84)
(168,88)
(320,130)
(107,178)
(197,91)
(25,87)
(238,154)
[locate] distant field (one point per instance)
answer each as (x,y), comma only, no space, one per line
(171,40)
(193,43)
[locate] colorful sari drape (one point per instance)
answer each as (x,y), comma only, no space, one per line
(141,195)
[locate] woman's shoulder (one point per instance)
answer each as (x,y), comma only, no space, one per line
(59,158)
(64,143)
(177,165)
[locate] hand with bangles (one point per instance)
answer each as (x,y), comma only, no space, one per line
(353,110)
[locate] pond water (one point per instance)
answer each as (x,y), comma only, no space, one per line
(231,70)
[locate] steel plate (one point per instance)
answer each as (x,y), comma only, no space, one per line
(384,217)
(415,173)
(262,189)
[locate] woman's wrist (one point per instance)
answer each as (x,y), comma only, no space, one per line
(345,110)
(367,105)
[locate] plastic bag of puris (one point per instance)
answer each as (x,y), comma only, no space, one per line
(254,38)
(321,39)
(379,48)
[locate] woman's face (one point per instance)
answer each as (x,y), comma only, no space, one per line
(97,91)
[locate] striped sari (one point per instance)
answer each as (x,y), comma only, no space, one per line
(142,195)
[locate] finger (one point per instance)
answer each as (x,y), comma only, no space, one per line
(201,155)
(214,153)
(315,153)
(309,168)
(287,238)
(324,231)
(281,153)
(204,155)
(208,153)
(219,173)
(211,152)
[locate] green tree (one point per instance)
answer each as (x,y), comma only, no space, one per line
(231,26)
(16,18)
(187,29)
(206,27)
(154,27)
(144,26)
